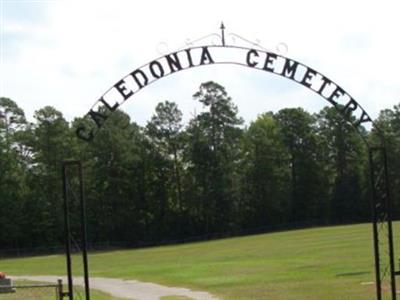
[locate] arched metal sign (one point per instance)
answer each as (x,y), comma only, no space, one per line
(194,57)
(270,62)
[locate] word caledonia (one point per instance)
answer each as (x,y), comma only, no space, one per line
(214,55)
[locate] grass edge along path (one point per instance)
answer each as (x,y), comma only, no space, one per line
(320,263)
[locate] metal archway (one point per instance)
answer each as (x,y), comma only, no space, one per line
(300,73)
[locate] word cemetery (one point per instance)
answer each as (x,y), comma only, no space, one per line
(213,55)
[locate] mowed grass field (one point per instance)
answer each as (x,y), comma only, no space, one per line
(320,263)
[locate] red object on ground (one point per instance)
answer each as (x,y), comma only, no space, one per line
(2,275)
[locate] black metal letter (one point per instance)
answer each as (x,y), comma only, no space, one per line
(83,134)
(325,81)
(121,88)
(310,73)
(269,60)
(251,52)
(98,118)
(335,94)
(290,68)
(189,57)
(205,55)
(144,78)
(173,62)
(111,108)
(363,118)
(153,69)
(352,105)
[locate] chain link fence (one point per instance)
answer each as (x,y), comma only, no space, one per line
(32,292)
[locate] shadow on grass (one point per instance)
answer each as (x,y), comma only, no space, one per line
(352,274)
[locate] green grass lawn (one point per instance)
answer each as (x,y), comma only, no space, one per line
(322,263)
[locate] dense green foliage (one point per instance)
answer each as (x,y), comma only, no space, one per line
(169,180)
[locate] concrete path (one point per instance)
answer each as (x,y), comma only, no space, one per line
(128,289)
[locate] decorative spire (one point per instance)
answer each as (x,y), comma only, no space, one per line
(223,33)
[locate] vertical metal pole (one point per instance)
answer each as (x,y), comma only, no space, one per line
(223,33)
(67,232)
(60,293)
(375,228)
(389,223)
(84,232)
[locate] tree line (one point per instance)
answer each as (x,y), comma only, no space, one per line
(169,180)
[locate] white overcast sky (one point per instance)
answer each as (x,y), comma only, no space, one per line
(67,53)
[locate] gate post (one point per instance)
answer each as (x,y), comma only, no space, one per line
(59,289)
(382,222)
(67,236)
(66,188)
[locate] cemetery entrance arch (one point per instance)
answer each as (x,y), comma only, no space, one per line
(276,64)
